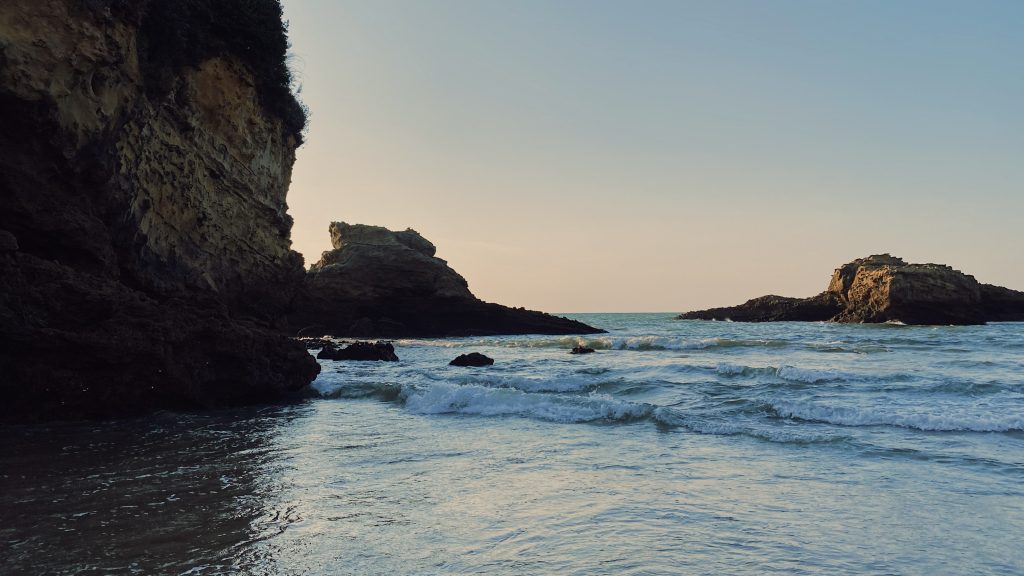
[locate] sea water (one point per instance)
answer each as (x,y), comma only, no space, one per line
(678,447)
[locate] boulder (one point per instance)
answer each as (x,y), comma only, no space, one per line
(581,350)
(472,359)
(883,288)
(382,351)
(378,283)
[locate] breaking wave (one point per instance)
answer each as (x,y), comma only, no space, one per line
(951,419)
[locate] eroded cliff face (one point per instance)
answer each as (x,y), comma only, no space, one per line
(883,288)
(382,283)
(150,226)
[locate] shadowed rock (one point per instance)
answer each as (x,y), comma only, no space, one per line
(145,261)
(472,359)
(883,288)
(383,351)
(381,283)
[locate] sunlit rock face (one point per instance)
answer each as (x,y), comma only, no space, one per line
(883,288)
(382,283)
(152,239)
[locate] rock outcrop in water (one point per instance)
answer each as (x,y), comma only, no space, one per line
(381,283)
(145,153)
(883,288)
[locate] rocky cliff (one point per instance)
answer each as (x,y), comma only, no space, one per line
(144,236)
(381,283)
(883,288)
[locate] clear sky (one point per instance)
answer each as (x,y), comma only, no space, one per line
(587,155)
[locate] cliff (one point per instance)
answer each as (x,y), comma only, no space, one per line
(883,288)
(144,238)
(381,283)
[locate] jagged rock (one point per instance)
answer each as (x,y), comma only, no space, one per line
(773,309)
(383,351)
(581,350)
(380,283)
(472,359)
(312,343)
(149,213)
(883,288)
(1002,304)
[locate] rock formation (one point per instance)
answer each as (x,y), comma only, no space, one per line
(473,359)
(145,154)
(381,283)
(883,288)
(362,351)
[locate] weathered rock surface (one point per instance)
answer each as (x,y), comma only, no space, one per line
(475,359)
(883,288)
(145,256)
(383,351)
(380,283)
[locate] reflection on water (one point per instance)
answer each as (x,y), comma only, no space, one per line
(165,494)
(678,448)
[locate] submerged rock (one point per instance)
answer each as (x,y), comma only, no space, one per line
(382,351)
(381,283)
(883,288)
(581,350)
(472,359)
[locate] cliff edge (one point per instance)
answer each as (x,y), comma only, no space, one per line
(883,288)
(382,283)
(145,156)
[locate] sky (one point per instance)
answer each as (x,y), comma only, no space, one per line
(589,155)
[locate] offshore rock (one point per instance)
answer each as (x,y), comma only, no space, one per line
(381,283)
(472,359)
(883,288)
(383,351)
(148,218)
(581,350)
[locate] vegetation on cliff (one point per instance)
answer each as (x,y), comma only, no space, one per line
(179,33)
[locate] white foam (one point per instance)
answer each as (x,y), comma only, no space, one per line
(566,383)
(444,398)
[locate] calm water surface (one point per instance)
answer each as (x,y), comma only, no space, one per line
(677,448)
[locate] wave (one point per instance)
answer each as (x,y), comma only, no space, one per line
(580,382)
(702,425)
(791,373)
(846,348)
(952,421)
(440,398)
(635,343)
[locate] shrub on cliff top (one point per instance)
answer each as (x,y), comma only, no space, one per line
(179,33)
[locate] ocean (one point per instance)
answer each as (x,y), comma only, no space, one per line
(678,447)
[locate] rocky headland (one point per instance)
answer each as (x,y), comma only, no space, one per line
(382,283)
(883,288)
(145,154)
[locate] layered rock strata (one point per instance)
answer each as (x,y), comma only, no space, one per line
(145,257)
(883,288)
(381,283)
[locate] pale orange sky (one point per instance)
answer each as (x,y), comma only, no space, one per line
(664,156)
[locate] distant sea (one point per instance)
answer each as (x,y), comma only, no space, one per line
(679,447)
